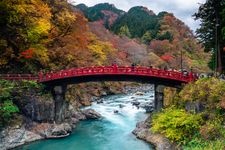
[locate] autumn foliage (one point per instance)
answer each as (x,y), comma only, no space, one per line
(58,36)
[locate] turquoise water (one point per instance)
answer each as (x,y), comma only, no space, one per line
(112,132)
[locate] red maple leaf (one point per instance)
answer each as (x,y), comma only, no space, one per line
(27,53)
(166,57)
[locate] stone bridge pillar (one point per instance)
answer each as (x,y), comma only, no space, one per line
(61,105)
(159,96)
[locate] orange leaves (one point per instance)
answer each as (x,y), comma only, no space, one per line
(166,57)
(27,53)
(161,47)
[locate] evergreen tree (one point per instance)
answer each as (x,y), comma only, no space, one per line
(165,36)
(124,31)
(211,15)
(139,20)
(146,38)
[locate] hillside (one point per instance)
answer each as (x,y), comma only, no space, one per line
(129,50)
(144,38)
(104,11)
(160,37)
(139,20)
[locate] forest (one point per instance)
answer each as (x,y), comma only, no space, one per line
(51,35)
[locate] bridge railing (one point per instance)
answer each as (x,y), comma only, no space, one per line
(145,71)
(19,77)
(102,70)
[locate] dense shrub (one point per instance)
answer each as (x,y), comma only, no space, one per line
(7,90)
(7,108)
(29,84)
(176,124)
(212,129)
(197,143)
(209,91)
(181,126)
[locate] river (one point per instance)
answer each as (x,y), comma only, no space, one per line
(112,132)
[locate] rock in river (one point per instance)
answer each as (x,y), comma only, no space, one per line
(61,130)
(91,114)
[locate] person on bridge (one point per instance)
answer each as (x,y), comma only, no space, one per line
(165,68)
(132,66)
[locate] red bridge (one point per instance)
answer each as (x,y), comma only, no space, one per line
(107,73)
(57,81)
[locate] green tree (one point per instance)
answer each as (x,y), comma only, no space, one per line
(146,38)
(139,20)
(124,31)
(165,36)
(62,17)
(7,108)
(211,15)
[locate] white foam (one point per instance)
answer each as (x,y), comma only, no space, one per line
(126,113)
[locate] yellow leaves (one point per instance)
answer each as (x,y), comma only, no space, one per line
(42,9)
(40,53)
(31,18)
(155,60)
(65,18)
(208,91)
(98,53)
(40,28)
(28,6)
(69,57)
(100,50)
(176,124)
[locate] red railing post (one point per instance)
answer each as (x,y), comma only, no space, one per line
(115,68)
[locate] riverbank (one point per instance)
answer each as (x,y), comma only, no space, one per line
(112,131)
(160,142)
(24,133)
(28,130)
(192,121)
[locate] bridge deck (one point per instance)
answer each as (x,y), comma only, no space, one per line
(103,71)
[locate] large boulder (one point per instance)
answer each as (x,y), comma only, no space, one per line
(135,103)
(60,130)
(15,136)
(37,108)
(74,115)
(149,107)
(91,114)
(194,107)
